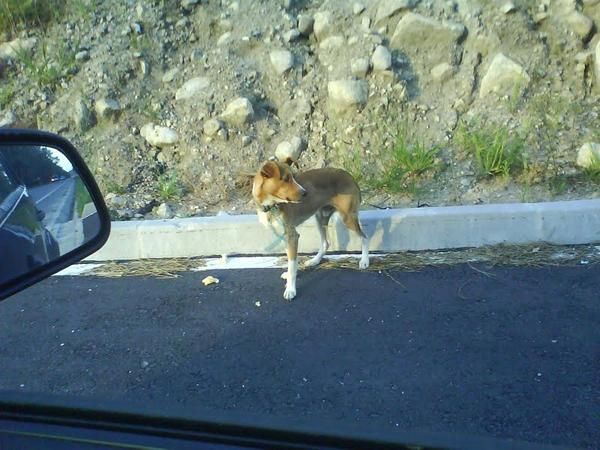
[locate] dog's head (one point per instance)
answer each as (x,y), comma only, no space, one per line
(275,183)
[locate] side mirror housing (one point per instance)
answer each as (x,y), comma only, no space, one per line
(52,213)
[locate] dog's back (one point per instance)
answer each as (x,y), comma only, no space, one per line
(327,187)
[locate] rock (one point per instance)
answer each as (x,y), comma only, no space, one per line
(83,55)
(347,95)
(189,4)
(10,50)
(115,201)
(290,149)
(238,112)
(281,60)
(360,67)
(358,8)
(296,110)
(305,24)
(508,7)
(503,76)
(588,154)
(170,75)
(164,211)
(580,24)
(224,39)
(107,108)
(8,120)
(442,72)
(323,25)
(192,88)
(331,43)
(223,134)
(81,116)
(388,8)
(291,35)
(426,41)
(597,65)
(381,59)
(159,136)
(212,127)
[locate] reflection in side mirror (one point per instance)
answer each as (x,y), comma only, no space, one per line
(48,209)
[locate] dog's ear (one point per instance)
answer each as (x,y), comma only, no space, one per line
(269,170)
(291,162)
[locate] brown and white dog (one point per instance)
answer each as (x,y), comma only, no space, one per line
(296,197)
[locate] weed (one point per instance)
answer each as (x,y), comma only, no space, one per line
(407,162)
(18,14)
(352,162)
(7,92)
(81,8)
(558,185)
(495,150)
(48,70)
(112,187)
(168,186)
(592,172)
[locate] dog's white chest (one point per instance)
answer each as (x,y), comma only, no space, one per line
(272,221)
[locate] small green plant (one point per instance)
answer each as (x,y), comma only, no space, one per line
(407,162)
(81,8)
(112,187)
(168,186)
(7,92)
(558,185)
(352,162)
(592,172)
(18,14)
(496,152)
(47,70)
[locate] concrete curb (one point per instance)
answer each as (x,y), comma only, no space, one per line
(568,222)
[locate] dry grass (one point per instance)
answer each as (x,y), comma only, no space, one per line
(500,255)
(157,268)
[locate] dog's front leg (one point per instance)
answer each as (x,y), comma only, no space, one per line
(292,253)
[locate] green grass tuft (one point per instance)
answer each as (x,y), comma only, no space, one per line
(495,150)
(169,186)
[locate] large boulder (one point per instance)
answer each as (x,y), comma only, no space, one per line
(588,154)
(503,76)
(281,60)
(597,65)
(388,8)
(192,88)
(427,42)
(159,136)
(347,95)
(238,112)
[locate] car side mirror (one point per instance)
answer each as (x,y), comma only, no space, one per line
(52,213)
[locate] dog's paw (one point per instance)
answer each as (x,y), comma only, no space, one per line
(284,276)
(312,262)
(289,293)
(363,263)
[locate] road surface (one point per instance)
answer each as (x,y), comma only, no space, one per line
(502,352)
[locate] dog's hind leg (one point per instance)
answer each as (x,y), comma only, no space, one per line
(322,216)
(351,221)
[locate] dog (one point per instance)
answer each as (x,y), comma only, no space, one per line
(293,198)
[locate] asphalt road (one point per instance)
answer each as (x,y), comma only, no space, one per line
(57,201)
(503,352)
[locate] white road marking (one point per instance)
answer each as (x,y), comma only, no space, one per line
(78,269)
